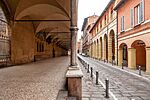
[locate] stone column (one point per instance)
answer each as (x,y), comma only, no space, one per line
(98,50)
(104,50)
(100,57)
(116,51)
(73,29)
(110,49)
(95,50)
(74,74)
(97,56)
(120,57)
(132,58)
(148,60)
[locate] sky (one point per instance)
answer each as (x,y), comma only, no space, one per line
(87,8)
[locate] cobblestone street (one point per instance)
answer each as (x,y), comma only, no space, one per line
(36,81)
(124,86)
(90,90)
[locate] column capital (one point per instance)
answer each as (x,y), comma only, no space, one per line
(74,28)
(148,48)
(131,48)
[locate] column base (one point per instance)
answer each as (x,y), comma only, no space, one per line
(148,72)
(147,60)
(74,81)
(132,58)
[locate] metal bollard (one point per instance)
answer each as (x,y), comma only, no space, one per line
(104,60)
(88,69)
(91,72)
(85,65)
(97,77)
(139,70)
(122,65)
(107,88)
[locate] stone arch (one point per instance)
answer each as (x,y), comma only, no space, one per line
(97,49)
(101,48)
(140,52)
(94,49)
(123,54)
(106,47)
(21,8)
(111,45)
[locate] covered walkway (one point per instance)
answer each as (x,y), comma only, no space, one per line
(35,81)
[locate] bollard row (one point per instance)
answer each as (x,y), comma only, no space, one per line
(90,70)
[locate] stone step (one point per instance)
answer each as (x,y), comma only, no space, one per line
(62,95)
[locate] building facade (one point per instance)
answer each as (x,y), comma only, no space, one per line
(79,47)
(134,33)
(104,32)
(87,25)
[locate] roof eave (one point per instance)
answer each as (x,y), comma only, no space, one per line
(119,4)
(102,14)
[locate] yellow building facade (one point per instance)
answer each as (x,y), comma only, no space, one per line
(104,32)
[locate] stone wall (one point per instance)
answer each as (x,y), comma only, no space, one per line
(22,43)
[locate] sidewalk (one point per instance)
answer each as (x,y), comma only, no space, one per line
(124,85)
(41,80)
(143,75)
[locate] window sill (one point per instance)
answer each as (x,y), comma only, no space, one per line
(122,31)
(137,25)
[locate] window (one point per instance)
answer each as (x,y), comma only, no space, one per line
(101,26)
(132,17)
(140,12)
(97,29)
(111,16)
(122,23)
(105,20)
(111,13)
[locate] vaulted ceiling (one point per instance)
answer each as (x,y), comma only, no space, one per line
(50,17)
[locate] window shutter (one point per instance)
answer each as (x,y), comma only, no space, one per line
(142,11)
(132,17)
(123,23)
(138,14)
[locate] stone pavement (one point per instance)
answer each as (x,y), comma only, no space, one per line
(91,91)
(35,81)
(123,85)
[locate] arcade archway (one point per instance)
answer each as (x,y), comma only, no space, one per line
(139,45)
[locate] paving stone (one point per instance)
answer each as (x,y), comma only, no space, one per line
(122,84)
(136,98)
(85,99)
(91,91)
(35,81)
